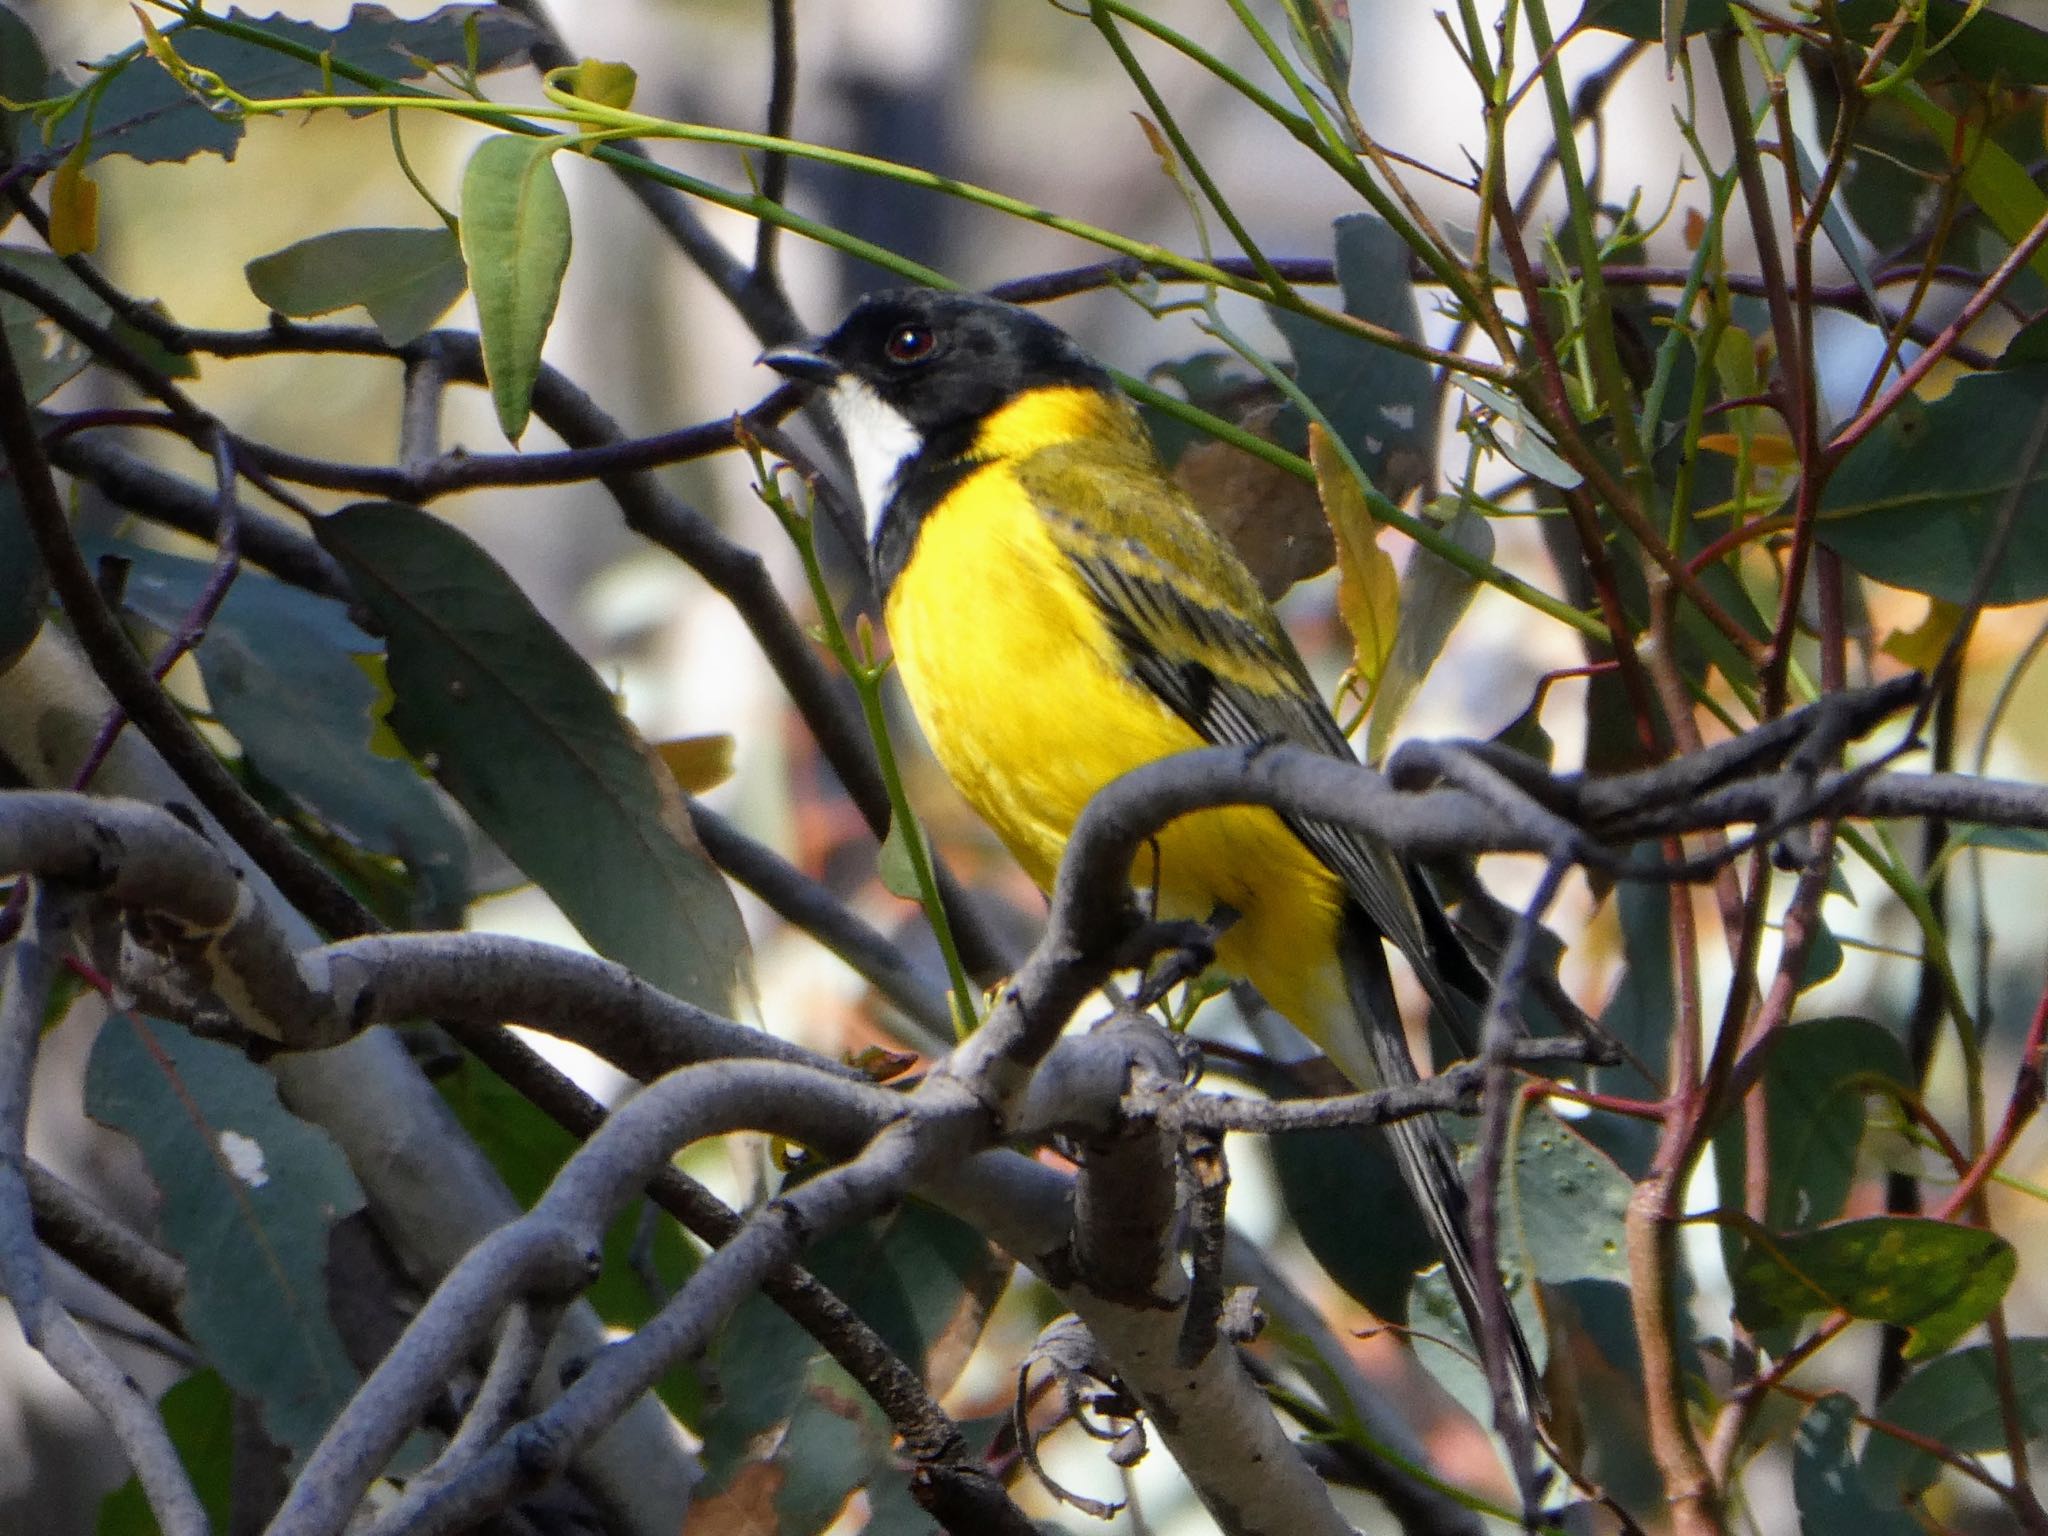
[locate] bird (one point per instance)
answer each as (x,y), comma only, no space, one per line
(1059,613)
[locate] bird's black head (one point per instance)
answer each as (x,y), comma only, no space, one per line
(942,361)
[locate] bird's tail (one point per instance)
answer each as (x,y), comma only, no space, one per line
(1375,1055)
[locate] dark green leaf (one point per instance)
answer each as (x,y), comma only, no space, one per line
(1643,20)
(1376,400)
(1953,1401)
(519,729)
(915,1276)
(1823,958)
(1936,1279)
(1815,1083)
(1562,1204)
(280,671)
(405,278)
(1434,596)
(47,355)
(24,76)
(249,1195)
(142,112)
(1344,1195)
(1830,1492)
(515,239)
(24,585)
(1907,509)
(198,1413)
(1994,46)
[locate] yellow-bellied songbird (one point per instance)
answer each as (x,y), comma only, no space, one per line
(1060,613)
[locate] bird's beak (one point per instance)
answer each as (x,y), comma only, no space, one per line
(801,365)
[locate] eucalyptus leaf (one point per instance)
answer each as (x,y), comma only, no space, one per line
(515,240)
(520,731)
(1377,400)
(141,112)
(1936,1279)
(1954,1401)
(281,671)
(405,278)
(1909,509)
(250,1194)
(1826,1485)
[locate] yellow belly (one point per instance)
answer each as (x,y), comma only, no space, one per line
(1022,693)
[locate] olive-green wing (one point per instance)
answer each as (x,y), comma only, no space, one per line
(1197,632)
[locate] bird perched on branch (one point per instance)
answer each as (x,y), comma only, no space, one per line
(1060,613)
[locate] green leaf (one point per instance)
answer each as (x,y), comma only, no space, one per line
(405,278)
(1528,446)
(1565,1200)
(143,113)
(1643,20)
(24,76)
(1907,509)
(1815,1083)
(1953,1401)
(280,669)
(47,355)
(198,1413)
(1434,596)
(519,729)
(24,585)
(250,1194)
(894,864)
(515,239)
(923,1280)
(1831,1494)
(1377,400)
(1344,1196)
(1993,47)
(1443,1340)
(1936,1279)
(1973,834)
(1322,37)
(2003,187)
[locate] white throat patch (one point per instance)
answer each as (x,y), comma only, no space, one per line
(879,440)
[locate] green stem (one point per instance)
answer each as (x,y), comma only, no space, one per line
(867,676)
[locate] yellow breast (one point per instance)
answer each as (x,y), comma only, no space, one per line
(1025,699)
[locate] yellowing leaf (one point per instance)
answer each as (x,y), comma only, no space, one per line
(1368,588)
(74,207)
(697,763)
(606,83)
(879,1064)
(1767,450)
(384,741)
(1921,648)
(1160,147)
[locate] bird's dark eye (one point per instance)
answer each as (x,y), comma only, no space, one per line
(910,344)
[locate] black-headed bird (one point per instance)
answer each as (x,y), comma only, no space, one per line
(1060,613)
